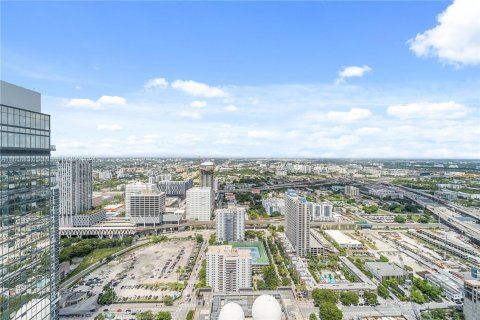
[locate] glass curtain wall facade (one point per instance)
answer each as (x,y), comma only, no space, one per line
(29,228)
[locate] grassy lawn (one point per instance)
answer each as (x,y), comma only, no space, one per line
(415,218)
(94,257)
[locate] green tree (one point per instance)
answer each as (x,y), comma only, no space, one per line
(190,315)
(199,238)
(417,296)
(383,291)
(107,296)
(330,311)
(313,316)
(168,300)
(383,259)
(370,297)
(349,298)
(281,228)
(213,239)
(324,295)
(100,316)
(400,219)
(163,315)
(146,315)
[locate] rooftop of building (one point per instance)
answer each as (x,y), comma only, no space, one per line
(341,238)
(230,251)
(472,283)
(386,268)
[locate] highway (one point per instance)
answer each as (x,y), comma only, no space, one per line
(443,212)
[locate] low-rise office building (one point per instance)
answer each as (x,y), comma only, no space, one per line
(386,270)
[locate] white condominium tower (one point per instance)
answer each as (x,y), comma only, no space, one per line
(74,178)
(297,222)
(352,191)
(144,203)
(200,203)
(230,224)
(228,269)
(322,211)
(206,174)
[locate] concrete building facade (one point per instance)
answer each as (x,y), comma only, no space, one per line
(471,301)
(230,224)
(145,204)
(75,184)
(207,170)
(200,203)
(297,222)
(175,188)
(352,191)
(228,269)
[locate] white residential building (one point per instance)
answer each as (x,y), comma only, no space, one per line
(274,204)
(228,269)
(74,178)
(200,203)
(322,211)
(230,224)
(352,191)
(297,222)
(144,203)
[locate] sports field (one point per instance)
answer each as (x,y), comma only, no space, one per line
(259,255)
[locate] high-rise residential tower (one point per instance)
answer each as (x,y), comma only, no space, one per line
(229,269)
(230,224)
(29,229)
(297,222)
(200,203)
(207,170)
(75,184)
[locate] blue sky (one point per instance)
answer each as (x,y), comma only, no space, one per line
(307,79)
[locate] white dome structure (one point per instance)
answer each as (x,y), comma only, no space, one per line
(231,311)
(266,307)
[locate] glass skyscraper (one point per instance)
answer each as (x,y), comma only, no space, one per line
(29,225)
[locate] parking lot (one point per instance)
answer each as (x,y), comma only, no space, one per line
(148,274)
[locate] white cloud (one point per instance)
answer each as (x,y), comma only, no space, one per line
(367,131)
(83,103)
(109,126)
(198,104)
(190,114)
(263,134)
(198,89)
(231,108)
(112,100)
(456,38)
(355,114)
(156,83)
(352,71)
(103,100)
(429,110)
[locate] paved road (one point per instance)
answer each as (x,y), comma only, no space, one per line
(388,309)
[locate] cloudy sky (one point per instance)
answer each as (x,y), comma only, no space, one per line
(268,79)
